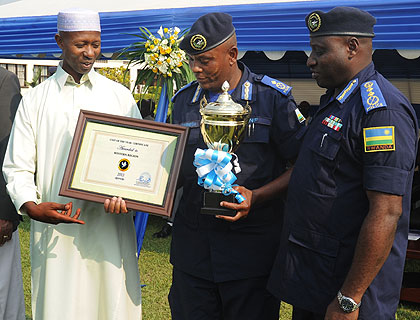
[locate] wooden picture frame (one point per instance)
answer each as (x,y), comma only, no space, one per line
(138,160)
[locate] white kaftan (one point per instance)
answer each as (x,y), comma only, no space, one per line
(83,272)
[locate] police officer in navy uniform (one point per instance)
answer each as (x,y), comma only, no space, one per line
(346,219)
(221,265)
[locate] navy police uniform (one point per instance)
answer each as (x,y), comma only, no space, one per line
(364,139)
(220,252)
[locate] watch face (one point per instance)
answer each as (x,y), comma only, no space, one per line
(347,305)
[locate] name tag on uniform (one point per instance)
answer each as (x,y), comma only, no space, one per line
(379,139)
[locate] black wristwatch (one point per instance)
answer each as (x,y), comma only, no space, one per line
(347,304)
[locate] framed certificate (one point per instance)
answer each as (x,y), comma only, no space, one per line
(138,160)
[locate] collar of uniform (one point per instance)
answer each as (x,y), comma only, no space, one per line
(63,78)
(348,90)
(237,94)
(197,95)
(361,77)
(355,83)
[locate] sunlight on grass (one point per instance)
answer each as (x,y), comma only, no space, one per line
(156,275)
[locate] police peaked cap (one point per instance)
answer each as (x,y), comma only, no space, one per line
(340,21)
(208,32)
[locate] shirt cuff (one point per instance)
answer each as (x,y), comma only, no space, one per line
(386,179)
(23,197)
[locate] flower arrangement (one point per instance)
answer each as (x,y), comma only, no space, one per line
(162,54)
(163,63)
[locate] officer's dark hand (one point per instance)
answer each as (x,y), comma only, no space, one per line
(242,209)
(115,205)
(6,230)
(334,312)
(52,212)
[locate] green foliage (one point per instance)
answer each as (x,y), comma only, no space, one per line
(24,236)
(408,311)
(155,272)
(119,75)
(35,79)
(145,96)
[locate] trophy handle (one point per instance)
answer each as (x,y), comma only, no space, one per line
(203,102)
(248,108)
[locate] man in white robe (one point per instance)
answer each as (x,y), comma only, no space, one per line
(84,265)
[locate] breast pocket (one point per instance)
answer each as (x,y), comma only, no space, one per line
(194,134)
(325,145)
(258,130)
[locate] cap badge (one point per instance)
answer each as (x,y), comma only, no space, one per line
(198,42)
(314,22)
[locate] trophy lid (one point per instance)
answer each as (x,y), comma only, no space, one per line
(224,104)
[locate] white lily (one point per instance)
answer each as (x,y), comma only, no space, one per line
(163,68)
(160,32)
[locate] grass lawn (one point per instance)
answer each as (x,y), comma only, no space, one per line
(155,271)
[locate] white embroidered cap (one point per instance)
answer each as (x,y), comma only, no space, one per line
(77,19)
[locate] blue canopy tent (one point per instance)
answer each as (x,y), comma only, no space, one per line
(260,27)
(268,27)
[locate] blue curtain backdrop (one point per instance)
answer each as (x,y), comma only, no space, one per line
(140,220)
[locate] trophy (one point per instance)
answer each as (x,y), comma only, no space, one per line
(223,125)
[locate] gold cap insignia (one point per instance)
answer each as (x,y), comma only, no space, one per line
(314,22)
(198,42)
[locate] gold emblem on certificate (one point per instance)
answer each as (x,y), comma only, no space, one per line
(123,164)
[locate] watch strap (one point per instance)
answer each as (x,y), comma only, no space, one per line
(341,298)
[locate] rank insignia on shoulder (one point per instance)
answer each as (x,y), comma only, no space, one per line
(372,96)
(299,115)
(379,139)
(276,84)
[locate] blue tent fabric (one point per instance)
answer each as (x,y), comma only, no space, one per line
(260,27)
(140,221)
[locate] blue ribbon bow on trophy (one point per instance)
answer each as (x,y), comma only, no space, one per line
(214,170)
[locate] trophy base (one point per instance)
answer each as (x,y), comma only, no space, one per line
(212,204)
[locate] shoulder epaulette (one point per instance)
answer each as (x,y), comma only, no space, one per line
(372,96)
(182,89)
(276,84)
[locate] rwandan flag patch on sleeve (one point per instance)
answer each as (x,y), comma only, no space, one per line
(379,139)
